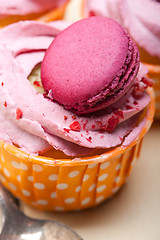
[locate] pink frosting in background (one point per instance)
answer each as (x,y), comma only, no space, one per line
(141,18)
(23,7)
(36,123)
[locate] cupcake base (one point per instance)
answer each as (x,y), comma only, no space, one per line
(69,184)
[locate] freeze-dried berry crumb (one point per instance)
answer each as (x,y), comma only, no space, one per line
(99,123)
(37,83)
(92,13)
(128,107)
(112,123)
(89,139)
(18,113)
(84,125)
(118,112)
(5,104)
(149,82)
(66,130)
(75,126)
(142,85)
(135,102)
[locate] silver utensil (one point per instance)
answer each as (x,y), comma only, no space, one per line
(17,226)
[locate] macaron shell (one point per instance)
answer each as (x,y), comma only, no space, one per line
(81,63)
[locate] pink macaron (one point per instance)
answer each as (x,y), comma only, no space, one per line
(90,65)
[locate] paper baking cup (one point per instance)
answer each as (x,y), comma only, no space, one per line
(69,184)
(52,15)
(154,73)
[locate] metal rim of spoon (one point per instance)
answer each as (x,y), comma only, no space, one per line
(17,226)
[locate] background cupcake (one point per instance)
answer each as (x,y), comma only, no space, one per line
(142,21)
(46,137)
(14,11)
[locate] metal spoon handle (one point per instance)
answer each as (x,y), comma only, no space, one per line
(17,226)
(7,200)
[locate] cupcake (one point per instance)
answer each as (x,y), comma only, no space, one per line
(142,23)
(14,11)
(75,106)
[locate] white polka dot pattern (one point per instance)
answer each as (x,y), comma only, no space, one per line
(69,200)
(58,208)
(2,158)
(12,186)
(92,187)
(85,178)
(103,177)
(53,195)
(101,188)
(92,165)
(2,178)
(19,178)
(42,202)
(62,186)
(118,166)
(114,190)
(23,167)
(78,189)
(86,201)
(6,172)
(39,186)
(104,165)
(99,199)
(73,174)
(30,178)
(15,164)
(26,192)
(37,168)
(117,179)
(53,177)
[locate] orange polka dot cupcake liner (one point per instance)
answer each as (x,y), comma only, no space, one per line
(52,15)
(154,73)
(69,184)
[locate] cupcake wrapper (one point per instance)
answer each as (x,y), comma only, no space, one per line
(154,73)
(67,184)
(66,188)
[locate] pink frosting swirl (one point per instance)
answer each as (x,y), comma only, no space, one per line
(141,18)
(19,7)
(34,122)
